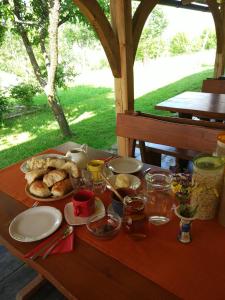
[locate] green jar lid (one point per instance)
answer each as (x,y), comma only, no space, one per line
(208,162)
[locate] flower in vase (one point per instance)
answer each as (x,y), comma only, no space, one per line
(182,187)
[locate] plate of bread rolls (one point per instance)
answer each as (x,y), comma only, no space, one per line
(51,181)
(42,162)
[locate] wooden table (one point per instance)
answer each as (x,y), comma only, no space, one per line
(87,273)
(198,104)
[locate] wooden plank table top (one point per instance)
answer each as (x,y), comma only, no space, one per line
(85,273)
(88,273)
(198,104)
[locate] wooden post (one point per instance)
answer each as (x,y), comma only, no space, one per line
(218,13)
(121,16)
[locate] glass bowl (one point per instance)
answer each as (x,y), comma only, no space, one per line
(105,228)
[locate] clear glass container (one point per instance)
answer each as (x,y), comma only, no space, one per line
(207,182)
(160,203)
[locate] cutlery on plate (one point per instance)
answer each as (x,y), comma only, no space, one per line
(49,244)
(36,203)
(67,232)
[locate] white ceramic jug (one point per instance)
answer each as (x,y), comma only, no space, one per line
(79,156)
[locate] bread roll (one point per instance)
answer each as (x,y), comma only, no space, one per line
(54,176)
(32,175)
(40,189)
(122,181)
(71,168)
(55,162)
(36,163)
(61,188)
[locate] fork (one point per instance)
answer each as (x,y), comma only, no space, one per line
(36,203)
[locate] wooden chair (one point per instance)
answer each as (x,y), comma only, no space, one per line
(216,86)
(178,137)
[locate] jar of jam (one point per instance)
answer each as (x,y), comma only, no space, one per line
(220,147)
(135,222)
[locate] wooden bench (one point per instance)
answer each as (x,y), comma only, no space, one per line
(216,86)
(178,137)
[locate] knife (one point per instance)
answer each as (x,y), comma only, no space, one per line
(66,234)
(49,244)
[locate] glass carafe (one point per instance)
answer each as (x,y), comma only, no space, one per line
(160,198)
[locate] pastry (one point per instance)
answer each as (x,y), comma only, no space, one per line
(34,174)
(40,189)
(55,162)
(71,168)
(36,163)
(54,176)
(61,188)
(122,181)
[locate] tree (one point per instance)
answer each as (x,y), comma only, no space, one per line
(151,44)
(37,23)
(179,44)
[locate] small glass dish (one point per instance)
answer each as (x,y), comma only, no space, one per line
(105,228)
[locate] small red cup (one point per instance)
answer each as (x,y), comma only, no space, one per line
(84,203)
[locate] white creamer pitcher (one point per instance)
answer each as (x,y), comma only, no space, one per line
(79,156)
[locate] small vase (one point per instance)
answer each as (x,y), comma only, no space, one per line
(184,235)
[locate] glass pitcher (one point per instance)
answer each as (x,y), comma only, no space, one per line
(160,203)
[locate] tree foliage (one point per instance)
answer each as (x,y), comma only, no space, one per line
(36,22)
(151,44)
(179,44)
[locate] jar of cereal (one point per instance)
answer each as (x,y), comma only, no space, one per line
(207,185)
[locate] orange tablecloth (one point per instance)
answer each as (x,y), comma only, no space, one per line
(193,271)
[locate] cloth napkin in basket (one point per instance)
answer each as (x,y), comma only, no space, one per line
(64,246)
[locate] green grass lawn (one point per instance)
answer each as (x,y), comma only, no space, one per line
(90,112)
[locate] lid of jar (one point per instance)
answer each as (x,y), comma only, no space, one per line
(159,180)
(221,137)
(208,162)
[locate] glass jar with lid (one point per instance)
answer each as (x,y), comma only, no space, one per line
(220,147)
(160,197)
(207,185)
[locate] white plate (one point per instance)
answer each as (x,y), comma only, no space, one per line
(135,182)
(75,220)
(35,223)
(24,168)
(125,165)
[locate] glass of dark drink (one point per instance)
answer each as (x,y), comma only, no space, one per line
(135,222)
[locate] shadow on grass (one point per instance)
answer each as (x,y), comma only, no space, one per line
(96,126)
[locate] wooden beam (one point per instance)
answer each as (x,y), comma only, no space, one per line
(218,13)
(94,13)
(140,16)
(31,288)
(121,16)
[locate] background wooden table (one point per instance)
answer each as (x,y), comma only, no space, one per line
(198,104)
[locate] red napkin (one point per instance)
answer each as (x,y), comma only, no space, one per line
(64,246)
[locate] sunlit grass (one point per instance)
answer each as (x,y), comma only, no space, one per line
(90,112)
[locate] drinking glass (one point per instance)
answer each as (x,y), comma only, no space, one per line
(135,222)
(160,203)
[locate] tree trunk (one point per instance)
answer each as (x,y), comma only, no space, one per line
(53,58)
(51,65)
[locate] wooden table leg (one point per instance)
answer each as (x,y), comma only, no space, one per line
(31,288)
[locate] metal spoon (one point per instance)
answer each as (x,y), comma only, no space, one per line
(112,188)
